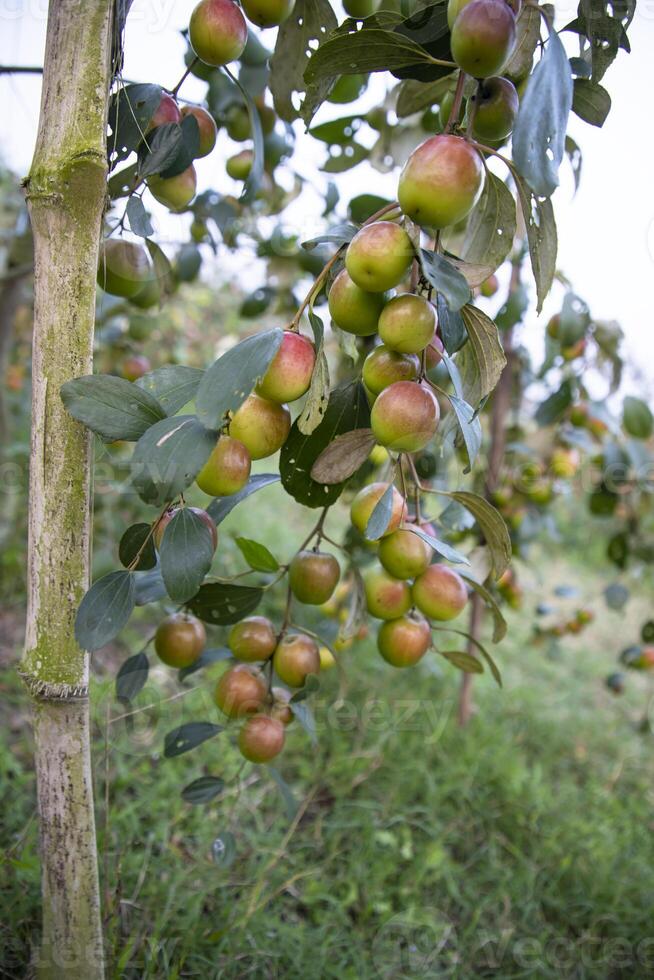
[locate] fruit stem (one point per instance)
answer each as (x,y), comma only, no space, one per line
(135,560)
(456,105)
(188,71)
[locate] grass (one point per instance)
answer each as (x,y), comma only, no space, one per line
(398,846)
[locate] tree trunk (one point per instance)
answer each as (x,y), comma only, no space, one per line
(66,191)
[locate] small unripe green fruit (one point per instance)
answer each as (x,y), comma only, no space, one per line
(241,691)
(217,32)
(483,37)
(237,123)
(124,267)
(166,112)
(227,470)
(405,417)
(367,499)
(441,181)
(445,109)
(165,520)
(379,256)
(176,193)
(206,125)
(135,367)
(404,554)
(347,88)
(297,655)
(289,374)
(253,639)
(404,641)
(489,286)
(267,13)
(261,738)
(407,323)
(360,8)
(261,425)
(238,167)
(440,593)
(382,367)
(497,104)
(199,230)
(179,640)
(386,597)
(354,309)
(313,576)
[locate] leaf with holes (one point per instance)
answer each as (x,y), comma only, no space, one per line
(221,603)
(528,25)
(343,457)
(111,407)
(186,552)
(173,385)
(104,610)
(308,25)
(491,225)
(541,238)
(187,737)
(169,456)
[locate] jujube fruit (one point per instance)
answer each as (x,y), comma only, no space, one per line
(313,576)
(441,181)
(327,659)
(496,107)
(238,167)
(296,657)
(404,641)
(179,640)
(261,425)
(382,367)
(135,367)
(281,707)
(241,691)
(176,193)
(123,267)
(253,639)
(489,286)
(166,518)
(261,738)
(166,112)
(206,125)
(404,554)
(267,13)
(217,32)
(227,470)
(440,593)
(367,499)
(352,308)
(407,323)
(289,374)
(360,8)
(386,597)
(483,37)
(454,8)
(379,256)
(237,123)
(347,88)
(405,416)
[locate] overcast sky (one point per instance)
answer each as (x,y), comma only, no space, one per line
(606,231)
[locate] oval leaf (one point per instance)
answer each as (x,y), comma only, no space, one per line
(464,661)
(137,538)
(257,555)
(187,737)
(186,553)
(111,407)
(132,676)
(440,547)
(173,385)
(381,515)
(445,278)
(207,657)
(203,790)
(168,457)
(220,508)
(104,610)
(343,457)
(491,524)
(221,603)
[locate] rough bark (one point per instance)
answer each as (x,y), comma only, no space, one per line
(65,193)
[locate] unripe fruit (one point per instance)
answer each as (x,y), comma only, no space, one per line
(497,103)
(445,109)
(176,193)
(405,416)
(281,708)
(382,367)
(440,593)
(238,167)
(253,639)
(360,8)
(407,323)
(237,123)
(261,738)
(367,499)
(166,112)
(313,576)
(241,691)
(483,37)
(379,256)
(168,516)
(489,286)
(148,296)
(327,659)
(404,554)
(227,470)
(217,32)
(123,267)
(261,425)
(347,88)
(386,597)
(564,463)
(441,181)
(135,367)
(454,8)
(206,125)
(352,308)
(289,374)
(199,230)
(296,657)
(433,354)
(403,642)
(179,640)
(267,13)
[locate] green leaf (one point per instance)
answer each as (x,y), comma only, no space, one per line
(135,538)
(159,149)
(254,178)
(491,226)
(304,715)
(186,553)
(555,405)
(527,37)
(219,509)
(637,417)
(339,234)
(499,627)
(111,407)
(130,111)
(590,101)
(169,456)
(538,140)
(347,410)
(363,206)
(213,655)
(173,385)
(488,352)
(470,428)
(415,96)
(203,790)
(357,613)
(230,379)
(491,525)
(573,153)
(138,218)
(132,676)
(187,737)
(104,610)
(449,282)
(483,651)
(451,326)
(466,662)
(381,515)
(343,457)
(188,148)
(440,547)
(541,237)
(310,686)
(428,27)
(257,555)
(308,24)
(318,397)
(221,604)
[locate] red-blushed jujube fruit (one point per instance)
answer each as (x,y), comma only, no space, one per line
(227,470)
(352,308)
(206,125)
(281,707)
(135,367)
(261,425)
(386,597)
(404,641)
(166,112)
(289,374)
(267,13)
(179,640)
(405,417)
(241,691)
(313,576)
(454,8)
(238,167)
(489,286)
(124,267)
(433,352)
(440,593)
(483,37)
(166,518)
(404,554)
(217,32)
(379,256)
(253,639)
(496,106)
(407,323)
(441,181)
(296,657)
(383,367)
(261,738)
(367,499)
(176,193)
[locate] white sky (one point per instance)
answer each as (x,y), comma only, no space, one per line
(606,231)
